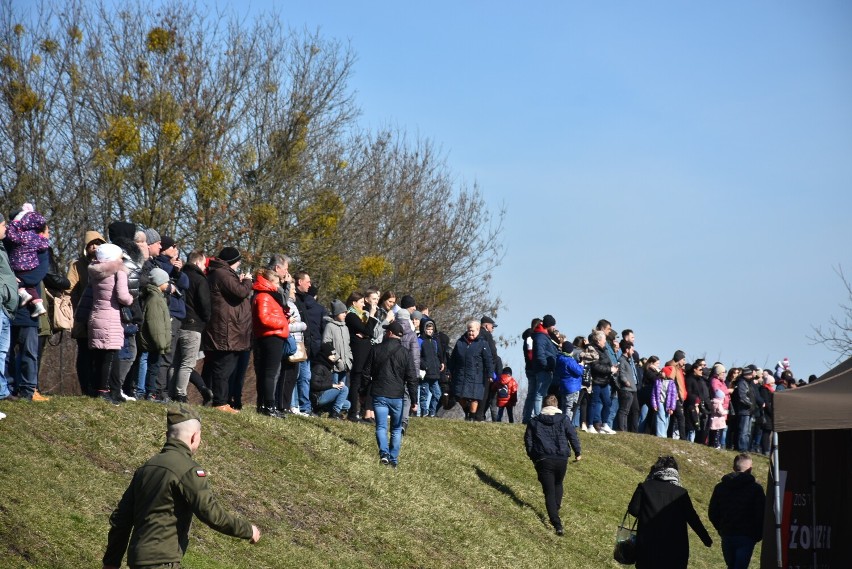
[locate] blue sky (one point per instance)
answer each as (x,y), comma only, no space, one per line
(682,169)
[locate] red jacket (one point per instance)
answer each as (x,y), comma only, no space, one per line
(270,316)
(512,399)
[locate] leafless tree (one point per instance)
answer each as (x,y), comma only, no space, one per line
(837,334)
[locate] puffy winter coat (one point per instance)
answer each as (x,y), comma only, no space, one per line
(230,325)
(157,322)
(551,435)
(108,282)
(269,313)
(337,334)
(568,374)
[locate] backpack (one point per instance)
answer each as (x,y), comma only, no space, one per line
(503,391)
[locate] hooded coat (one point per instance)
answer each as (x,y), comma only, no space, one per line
(551,435)
(337,334)
(108,281)
(157,324)
(230,325)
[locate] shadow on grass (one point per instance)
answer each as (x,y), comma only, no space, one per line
(344,438)
(504,489)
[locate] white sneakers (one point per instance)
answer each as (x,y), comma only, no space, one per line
(126,397)
(2,415)
(39,310)
(607,429)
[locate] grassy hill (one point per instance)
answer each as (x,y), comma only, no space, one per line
(465,494)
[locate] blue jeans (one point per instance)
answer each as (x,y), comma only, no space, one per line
(303,386)
(644,413)
(745,433)
(662,424)
(25,338)
(142,375)
(430,395)
(737,550)
(529,402)
(600,403)
(5,341)
(569,405)
(613,412)
(535,394)
(337,398)
(387,407)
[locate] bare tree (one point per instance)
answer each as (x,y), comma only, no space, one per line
(837,334)
(218,130)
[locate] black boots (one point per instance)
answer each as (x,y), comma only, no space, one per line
(271,411)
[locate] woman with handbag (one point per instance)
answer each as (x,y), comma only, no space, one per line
(108,281)
(663,510)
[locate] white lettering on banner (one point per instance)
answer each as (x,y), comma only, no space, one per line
(802,537)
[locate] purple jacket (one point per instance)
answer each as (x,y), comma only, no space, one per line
(24,243)
(108,281)
(670,397)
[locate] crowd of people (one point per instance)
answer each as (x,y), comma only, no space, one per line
(144,317)
(604,386)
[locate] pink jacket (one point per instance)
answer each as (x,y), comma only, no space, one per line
(109,291)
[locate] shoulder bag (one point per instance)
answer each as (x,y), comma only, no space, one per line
(625,542)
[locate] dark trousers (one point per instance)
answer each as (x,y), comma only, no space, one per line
(678,421)
(628,411)
(84,366)
(218,367)
(551,472)
(355,393)
(237,378)
(102,366)
(267,367)
(286,383)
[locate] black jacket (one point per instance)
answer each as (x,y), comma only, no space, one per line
(549,436)
(602,367)
(392,370)
(736,506)
(312,315)
(431,356)
(663,511)
(321,378)
(198,307)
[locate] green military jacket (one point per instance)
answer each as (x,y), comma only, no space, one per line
(158,507)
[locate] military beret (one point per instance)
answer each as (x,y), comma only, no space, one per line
(180,414)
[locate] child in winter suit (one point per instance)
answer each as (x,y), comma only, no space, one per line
(718,419)
(25,242)
(156,334)
(506,394)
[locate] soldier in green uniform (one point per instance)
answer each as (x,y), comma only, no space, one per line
(156,510)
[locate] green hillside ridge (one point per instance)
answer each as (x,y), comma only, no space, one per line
(465,494)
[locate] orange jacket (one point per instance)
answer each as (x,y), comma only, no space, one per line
(672,371)
(512,399)
(270,315)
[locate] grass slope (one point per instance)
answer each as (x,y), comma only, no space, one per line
(465,494)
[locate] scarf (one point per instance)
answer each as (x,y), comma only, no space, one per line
(358,312)
(666,475)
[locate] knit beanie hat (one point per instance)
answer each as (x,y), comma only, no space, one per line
(407,301)
(679,355)
(108,252)
(337,307)
(158,276)
(229,254)
(152,236)
(403,314)
(548,321)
